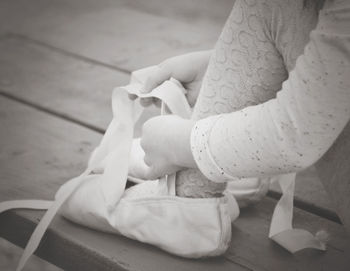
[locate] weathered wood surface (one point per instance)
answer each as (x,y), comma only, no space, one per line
(126,34)
(334,171)
(39,152)
(59,83)
(81,91)
(251,248)
(38,156)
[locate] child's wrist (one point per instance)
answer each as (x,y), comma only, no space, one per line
(182,155)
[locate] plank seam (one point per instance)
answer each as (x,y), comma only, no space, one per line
(4,36)
(52,112)
(86,59)
(54,238)
(311,208)
(241,264)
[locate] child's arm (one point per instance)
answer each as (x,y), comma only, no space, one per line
(296,128)
(287,133)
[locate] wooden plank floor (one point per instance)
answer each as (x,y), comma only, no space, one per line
(119,33)
(59,62)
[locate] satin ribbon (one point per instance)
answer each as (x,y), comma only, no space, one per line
(118,138)
(281,229)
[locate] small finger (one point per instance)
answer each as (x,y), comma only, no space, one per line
(151,83)
(155,80)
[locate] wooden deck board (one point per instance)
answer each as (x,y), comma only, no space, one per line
(60,83)
(120,33)
(334,171)
(37,153)
(38,157)
(251,248)
(82,90)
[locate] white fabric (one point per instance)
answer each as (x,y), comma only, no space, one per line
(146,212)
(281,229)
(149,212)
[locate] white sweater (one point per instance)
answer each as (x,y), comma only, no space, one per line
(293,129)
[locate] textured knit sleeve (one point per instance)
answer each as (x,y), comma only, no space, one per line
(295,129)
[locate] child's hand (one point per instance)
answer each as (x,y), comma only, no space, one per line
(189,69)
(166,142)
